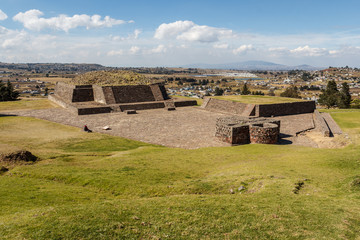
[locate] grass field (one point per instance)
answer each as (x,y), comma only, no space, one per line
(95,186)
(26,103)
(255,99)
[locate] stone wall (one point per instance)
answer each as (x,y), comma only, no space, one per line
(321,124)
(241,130)
(281,109)
(231,107)
(141,106)
(156,92)
(111,94)
(64,91)
(114,98)
(264,133)
(93,110)
(259,110)
(83,94)
(185,103)
(72,93)
(133,93)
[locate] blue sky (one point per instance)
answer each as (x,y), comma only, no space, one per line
(176,33)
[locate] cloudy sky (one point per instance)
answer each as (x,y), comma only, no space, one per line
(175,33)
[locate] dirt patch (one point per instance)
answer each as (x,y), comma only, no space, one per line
(18,157)
(338,141)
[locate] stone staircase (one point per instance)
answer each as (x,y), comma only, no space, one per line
(249,110)
(334,128)
(109,95)
(158,95)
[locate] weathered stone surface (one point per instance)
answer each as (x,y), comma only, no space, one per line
(264,133)
(106,99)
(321,124)
(130,111)
(281,109)
(258,110)
(241,130)
(217,105)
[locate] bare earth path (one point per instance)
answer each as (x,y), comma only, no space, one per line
(187,127)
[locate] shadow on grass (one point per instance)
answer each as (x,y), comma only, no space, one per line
(7,115)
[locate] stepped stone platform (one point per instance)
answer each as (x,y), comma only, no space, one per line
(188,128)
(258,110)
(93,99)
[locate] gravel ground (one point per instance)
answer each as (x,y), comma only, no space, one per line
(187,127)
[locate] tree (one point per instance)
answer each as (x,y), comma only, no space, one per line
(344,98)
(291,92)
(46,92)
(218,91)
(7,92)
(330,95)
(245,90)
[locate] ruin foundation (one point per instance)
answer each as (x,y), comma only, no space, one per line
(93,99)
(242,130)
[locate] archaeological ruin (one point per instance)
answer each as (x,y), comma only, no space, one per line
(94,99)
(215,123)
(242,130)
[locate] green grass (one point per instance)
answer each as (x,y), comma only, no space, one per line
(94,186)
(255,99)
(26,104)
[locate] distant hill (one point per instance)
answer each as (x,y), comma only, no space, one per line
(254,65)
(43,67)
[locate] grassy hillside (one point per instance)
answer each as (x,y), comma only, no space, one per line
(111,77)
(94,186)
(257,99)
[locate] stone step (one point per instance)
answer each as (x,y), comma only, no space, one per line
(249,110)
(334,128)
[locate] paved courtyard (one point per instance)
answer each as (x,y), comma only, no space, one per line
(187,127)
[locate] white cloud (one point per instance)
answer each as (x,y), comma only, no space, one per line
(133,36)
(115,53)
(308,51)
(159,49)
(134,50)
(189,31)
(221,46)
(243,49)
(14,41)
(3,15)
(167,30)
(32,20)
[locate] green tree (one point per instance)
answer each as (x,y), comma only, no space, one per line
(329,97)
(218,91)
(291,92)
(344,98)
(245,90)
(7,92)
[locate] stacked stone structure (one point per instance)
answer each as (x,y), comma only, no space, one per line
(242,130)
(258,110)
(92,99)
